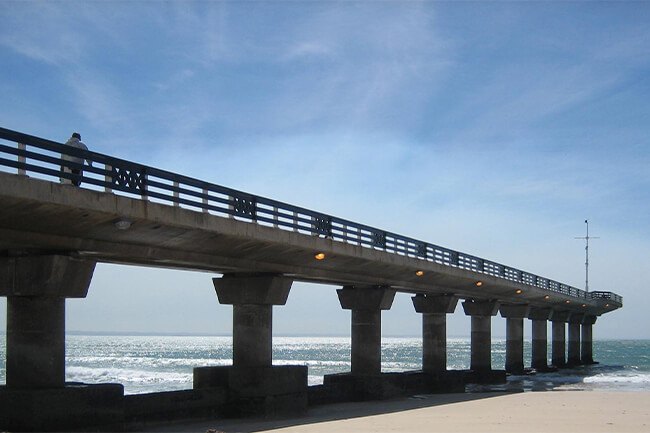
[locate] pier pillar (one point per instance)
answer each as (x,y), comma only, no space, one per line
(36,288)
(255,386)
(36,396)
(558,345)
(366,303)
(434,310)
(587,339)
(575,320)
(252,298)
(481,338)
(539,350)
(514,315)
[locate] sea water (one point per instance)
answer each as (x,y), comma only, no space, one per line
(146,364)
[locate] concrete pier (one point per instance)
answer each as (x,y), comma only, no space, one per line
(36,288)
(514,315)
(575,320)
(539,351)
(35,342)
(366,303)
(252,298)
(558,345)
(587,356)
(481,313)
(254,386)
(434,310)
(36,396)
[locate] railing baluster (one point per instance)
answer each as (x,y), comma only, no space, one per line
(22,160)
(144,185)
(108,178)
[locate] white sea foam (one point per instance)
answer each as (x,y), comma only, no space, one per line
(623,378)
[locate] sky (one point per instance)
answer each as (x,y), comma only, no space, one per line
(492,128)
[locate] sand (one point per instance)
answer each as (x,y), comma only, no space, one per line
(553,411)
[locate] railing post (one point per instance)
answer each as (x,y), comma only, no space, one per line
(231,206)
(144,186)
(295,221)
(275,217)
(176,194)
(22,160)
(205,200)
(108,178)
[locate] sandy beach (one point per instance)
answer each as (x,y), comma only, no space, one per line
(554,411)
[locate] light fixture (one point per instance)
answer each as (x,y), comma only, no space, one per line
(419,273)
(567,301)
(584,305)
(319,256)
(518,291)
(547,297)
(606,305)
(479,283)
(123,223)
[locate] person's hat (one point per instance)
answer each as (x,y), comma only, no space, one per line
(76,135)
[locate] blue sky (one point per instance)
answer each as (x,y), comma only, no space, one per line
(493,128)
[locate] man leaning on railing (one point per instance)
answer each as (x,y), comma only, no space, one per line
(76,173)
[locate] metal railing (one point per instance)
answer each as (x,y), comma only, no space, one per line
(42,157)
(606,295)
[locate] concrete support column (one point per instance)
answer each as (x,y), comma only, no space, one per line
(575,320)
(587,355)
(539,354)
(558,346)
(366,342)
(36,288)
(514,315)
(481,313)
(434,310)
(252,297)
(35,342)
(252,335)
(366,303)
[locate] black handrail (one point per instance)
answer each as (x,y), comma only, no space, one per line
(114,174)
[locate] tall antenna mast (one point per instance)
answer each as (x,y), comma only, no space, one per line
(586,238)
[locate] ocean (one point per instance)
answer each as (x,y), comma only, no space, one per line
(146,364)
